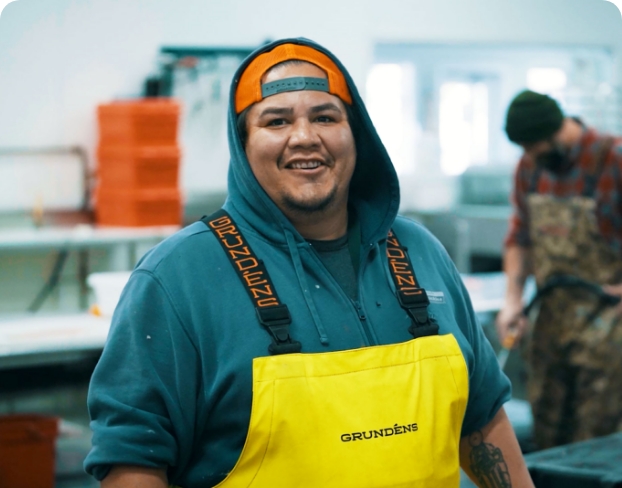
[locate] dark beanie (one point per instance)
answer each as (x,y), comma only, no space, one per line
(532,117)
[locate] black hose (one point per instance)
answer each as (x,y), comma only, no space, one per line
(568,281)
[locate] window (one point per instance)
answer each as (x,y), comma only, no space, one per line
(390,101)
(551,81)
(458,101)
(463,125)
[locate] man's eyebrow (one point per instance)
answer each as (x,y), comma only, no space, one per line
(276,111)
(325,106)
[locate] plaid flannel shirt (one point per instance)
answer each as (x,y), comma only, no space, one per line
(608,192)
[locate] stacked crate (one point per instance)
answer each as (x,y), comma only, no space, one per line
(138,164)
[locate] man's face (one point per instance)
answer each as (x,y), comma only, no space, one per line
(550,155)
(300,146)
(535,149)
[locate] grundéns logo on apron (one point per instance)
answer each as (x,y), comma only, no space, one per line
(374,434)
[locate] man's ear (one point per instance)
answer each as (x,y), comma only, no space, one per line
(241,126)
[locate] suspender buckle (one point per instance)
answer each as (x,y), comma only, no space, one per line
(423,330)
(416,302)
(276,321)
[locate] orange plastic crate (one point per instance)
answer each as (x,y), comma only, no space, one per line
(139,122)
(27,450)
(140,167)
(137,208)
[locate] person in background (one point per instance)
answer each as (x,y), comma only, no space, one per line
(287,340)
(566,228)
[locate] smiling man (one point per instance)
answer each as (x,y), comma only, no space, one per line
(287,340)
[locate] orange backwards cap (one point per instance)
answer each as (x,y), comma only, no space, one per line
(249,88)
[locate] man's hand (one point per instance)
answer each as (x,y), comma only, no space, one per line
(492,457)
(615,290)
(511,324)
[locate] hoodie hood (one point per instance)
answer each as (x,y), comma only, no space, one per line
(374,188)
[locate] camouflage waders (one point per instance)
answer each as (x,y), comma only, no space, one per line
(575,348)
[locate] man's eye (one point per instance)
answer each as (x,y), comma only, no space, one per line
(324,118)
(274,122)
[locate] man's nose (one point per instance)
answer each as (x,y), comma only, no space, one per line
(303,134)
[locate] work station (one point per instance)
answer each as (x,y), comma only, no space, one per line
(406,192)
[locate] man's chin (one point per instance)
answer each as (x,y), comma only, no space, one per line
(310,205)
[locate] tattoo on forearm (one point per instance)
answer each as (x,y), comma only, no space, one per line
(487,463)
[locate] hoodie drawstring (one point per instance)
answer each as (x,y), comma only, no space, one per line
(302,281)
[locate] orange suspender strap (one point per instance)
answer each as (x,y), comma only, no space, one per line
(272,314)
(411,296)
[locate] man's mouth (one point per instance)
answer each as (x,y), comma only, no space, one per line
(304,165)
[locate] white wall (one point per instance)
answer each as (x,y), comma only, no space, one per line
(58,58)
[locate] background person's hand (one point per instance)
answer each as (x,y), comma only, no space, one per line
(615,290)
(511,324)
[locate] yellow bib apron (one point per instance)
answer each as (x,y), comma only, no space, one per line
(382,416)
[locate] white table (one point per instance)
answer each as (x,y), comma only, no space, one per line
(487,290)
(33,340)
(84,237)
(79,236)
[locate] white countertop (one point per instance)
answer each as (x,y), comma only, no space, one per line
(33,339)
(44,339)
(487,290)
(80,236)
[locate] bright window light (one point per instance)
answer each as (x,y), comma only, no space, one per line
(546,80)
(463,125)
(390,102)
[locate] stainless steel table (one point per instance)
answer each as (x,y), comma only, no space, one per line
(42,340)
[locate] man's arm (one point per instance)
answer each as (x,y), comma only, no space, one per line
(135,477)
(492,457)
(517,267)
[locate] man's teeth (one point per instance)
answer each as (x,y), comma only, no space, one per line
(305,165)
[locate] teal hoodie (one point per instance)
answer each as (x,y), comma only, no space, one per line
(173,387)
